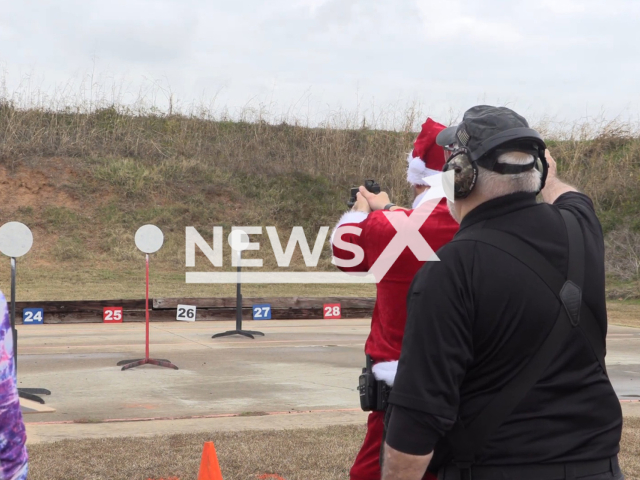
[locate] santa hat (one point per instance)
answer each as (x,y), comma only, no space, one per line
(427,158)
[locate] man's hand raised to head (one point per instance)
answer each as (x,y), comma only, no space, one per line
(376,202)
(553,187)
(553,166)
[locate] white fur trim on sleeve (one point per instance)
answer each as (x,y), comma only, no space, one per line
(417,170)
(349,217)
(418,200)
(386,372)
(352,217)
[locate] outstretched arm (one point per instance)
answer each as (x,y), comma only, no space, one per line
(378,201)
(346,240)
(554,187)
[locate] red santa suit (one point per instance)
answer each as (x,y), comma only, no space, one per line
(389,314)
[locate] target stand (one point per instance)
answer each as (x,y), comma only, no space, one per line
(239,241)
(15,241)
(149,239)
(238,330)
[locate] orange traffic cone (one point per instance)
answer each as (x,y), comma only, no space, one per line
(209,466)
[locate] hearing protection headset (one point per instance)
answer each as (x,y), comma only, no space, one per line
(465,162)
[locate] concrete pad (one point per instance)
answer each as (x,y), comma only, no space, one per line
(623,361)
(29,407)
(299,366)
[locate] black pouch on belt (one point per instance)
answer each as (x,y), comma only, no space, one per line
(368,388)
(374,394)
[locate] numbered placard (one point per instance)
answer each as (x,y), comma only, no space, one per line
(186,313)
(32,316)
(332,311)
(112,314)
(262,311)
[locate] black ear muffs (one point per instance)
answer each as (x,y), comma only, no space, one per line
(490,161)
(465,163)
(466,172)
(542,166)
(517,137)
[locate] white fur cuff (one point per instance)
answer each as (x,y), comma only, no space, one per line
(352,217)
(386,372)
(417,170)
(349,217)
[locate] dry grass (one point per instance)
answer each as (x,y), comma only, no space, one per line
(603,159)
(139,150)
(630,449)
(623,254)
(100,283)
(84,179)
(624,313)
(322,454)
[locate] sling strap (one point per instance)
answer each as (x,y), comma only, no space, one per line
(466,442)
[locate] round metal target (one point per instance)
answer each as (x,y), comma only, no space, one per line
(15,239)
(239,240)
(149,238)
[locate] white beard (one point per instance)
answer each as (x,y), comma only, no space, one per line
(452,211)
(418,199)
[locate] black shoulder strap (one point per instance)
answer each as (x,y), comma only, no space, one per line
(466,442)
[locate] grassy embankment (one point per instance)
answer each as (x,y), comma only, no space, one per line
(85,182)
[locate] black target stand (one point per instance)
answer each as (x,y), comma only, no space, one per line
(239,330)
(26,393)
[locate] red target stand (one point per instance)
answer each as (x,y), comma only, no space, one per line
(149,239)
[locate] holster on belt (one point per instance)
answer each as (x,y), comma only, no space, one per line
(374,394)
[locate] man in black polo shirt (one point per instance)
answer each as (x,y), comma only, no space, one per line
(479,315)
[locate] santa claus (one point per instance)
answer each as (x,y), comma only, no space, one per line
(389,315)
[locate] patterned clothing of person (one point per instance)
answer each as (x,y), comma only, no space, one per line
(13,451)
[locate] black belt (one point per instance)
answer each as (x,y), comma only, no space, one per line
(555,471)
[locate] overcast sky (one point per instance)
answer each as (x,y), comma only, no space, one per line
(565,59)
